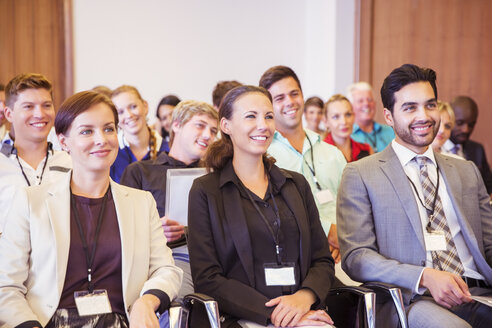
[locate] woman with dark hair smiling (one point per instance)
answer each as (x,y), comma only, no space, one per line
(255,239)
(85,251)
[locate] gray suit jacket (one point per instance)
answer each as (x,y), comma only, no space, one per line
(379,228)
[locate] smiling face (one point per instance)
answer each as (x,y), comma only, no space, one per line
(92,139)
(313,116)
(288,104)
(364,106)
(132,112)
(251,126)
(32,116)
(340,118)
(166,116)
(415,116)
(192,139)
(444,130)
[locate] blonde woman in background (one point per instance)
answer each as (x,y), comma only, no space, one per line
(136,139)
(339,119)
(447,124)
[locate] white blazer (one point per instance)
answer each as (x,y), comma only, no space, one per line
(36,241)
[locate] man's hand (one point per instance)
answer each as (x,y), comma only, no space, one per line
(333,243)
(315,318)
(172,229)
(143,310)
(446,288)
(291,308)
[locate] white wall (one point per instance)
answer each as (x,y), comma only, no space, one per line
(185,47)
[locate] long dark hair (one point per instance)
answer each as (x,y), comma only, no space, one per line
(221,151)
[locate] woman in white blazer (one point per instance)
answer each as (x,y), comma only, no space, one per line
(54,272)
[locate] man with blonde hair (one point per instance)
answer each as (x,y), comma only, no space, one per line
(366,130)
(193,129)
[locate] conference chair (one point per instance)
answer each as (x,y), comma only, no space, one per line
(389,293)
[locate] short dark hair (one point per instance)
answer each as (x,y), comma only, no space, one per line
(222,150)
(220,90)
(277,73)
(402,76)
(171,100)
(314,101)
(75,105)
(2,87)
(465,101)
(23,82)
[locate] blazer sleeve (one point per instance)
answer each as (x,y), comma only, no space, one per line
(163,274)
(357,236)
(15,248)
(485,216)
(321,272)
(233,296)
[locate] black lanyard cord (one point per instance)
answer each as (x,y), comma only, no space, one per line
(430,211)
(49,147)
(312,169)
(89,257)
(275,235)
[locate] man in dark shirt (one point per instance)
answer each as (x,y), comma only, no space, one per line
(466,112)
(193,129)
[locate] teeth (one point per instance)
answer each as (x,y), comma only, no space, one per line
(259,138)
(38,125)
(202,144)
(290,112)
(421,129)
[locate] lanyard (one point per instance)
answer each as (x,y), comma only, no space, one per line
(372,141)
(89,257)
(50,146)
(430,211)
(312,169)
(277,219)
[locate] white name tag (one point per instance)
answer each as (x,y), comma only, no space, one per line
(435,241)
(324,196)
(279,275)
(92,304)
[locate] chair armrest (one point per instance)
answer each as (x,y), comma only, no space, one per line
(387,292)
(352,306)
(177,315)
(207,303)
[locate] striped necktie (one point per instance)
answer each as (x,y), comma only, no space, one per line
(447,260)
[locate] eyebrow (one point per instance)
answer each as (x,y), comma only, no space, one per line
(415,103)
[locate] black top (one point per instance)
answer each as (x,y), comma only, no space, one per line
(262,240)
(151,175)
(225,250)
(107,258)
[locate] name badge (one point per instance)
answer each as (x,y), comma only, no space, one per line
(324,196)
(92,303)
(279,274)
(435,241)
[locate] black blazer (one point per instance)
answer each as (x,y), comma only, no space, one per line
(474,152)
(220,245)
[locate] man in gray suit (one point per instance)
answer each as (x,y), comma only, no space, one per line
(393,226)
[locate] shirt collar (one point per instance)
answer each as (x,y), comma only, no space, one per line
(376,127)
(405,155)
(164,158)
(448,145)
(276,175)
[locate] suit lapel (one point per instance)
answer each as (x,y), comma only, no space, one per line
(239,229)
(125,211)
(58,205)
(391,166)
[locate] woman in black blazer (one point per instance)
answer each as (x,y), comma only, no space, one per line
(256,243)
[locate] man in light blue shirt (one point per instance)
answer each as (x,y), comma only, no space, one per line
(366,130)
(302,150)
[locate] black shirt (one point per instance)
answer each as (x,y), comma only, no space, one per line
(150,175)
(262,240)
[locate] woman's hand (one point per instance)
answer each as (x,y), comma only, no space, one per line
(315,318)
(172,229)
(333,243)
(143,312)
(290,309)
